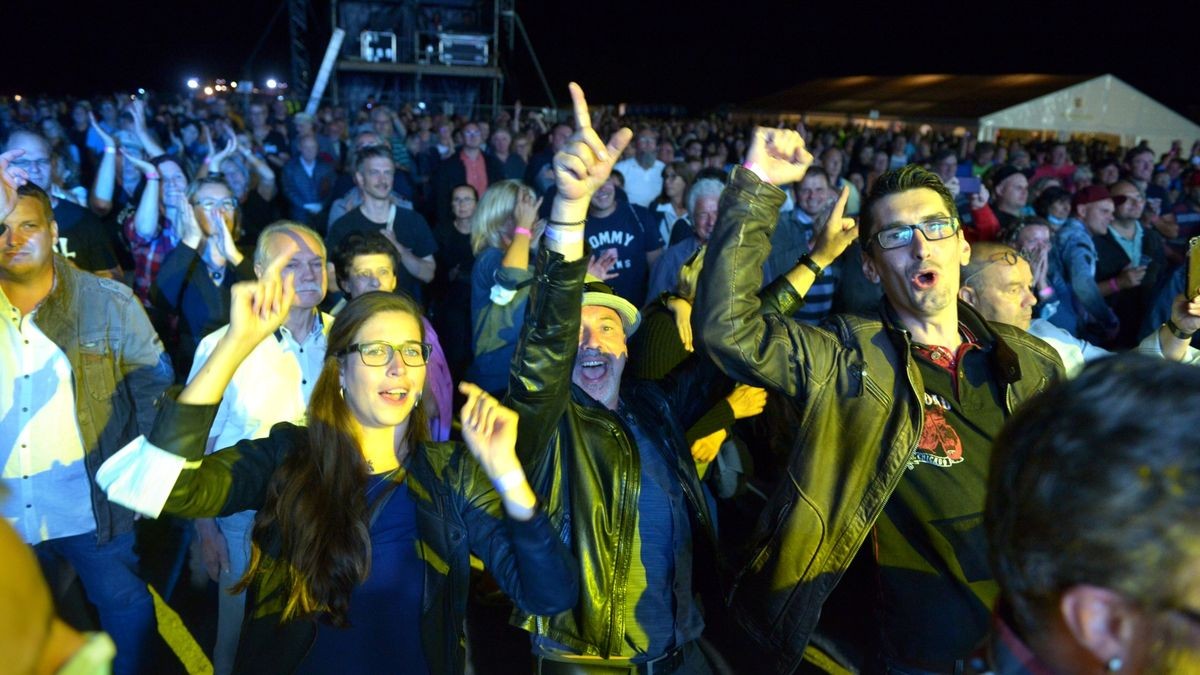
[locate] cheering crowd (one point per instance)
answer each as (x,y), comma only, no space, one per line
(702,395)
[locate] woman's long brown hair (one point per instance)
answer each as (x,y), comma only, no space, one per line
(316,510)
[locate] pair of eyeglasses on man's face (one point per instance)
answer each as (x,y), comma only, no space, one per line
(212,204)
(934,229)
(380,353)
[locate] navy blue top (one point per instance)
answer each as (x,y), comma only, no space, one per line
(385,610)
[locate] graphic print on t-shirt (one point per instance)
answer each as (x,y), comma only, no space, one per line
(940,444)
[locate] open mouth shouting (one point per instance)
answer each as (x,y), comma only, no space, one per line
(924,280)
(593,367)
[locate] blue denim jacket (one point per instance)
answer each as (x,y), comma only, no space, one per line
(1074,261)
(119,367)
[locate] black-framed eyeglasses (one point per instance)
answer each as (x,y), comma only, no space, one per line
(379,353)
(902,235)
(1007,257)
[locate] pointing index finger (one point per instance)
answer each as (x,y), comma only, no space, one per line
(583,119)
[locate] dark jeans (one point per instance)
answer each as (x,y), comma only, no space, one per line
(110,579)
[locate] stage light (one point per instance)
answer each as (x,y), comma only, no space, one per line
(208,91)
(17,98)
(141,91)
(193,83)
(271,83)
(233,84)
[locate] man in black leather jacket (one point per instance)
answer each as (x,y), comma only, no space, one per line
(897,413)
(608,456)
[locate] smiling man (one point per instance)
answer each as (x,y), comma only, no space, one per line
(886,476)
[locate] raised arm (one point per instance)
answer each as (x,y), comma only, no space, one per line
(100,200)
(540,376)
(771,351)
(138,109)
(145,219)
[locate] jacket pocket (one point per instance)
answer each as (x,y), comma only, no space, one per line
(96,361)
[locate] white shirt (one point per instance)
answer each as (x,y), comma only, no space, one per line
(1075,353)
(42,449)
(271,386)
(641,185)
(668,221)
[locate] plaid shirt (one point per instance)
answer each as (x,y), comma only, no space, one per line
(148,253)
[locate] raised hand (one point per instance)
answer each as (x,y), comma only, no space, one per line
(839,232)
(188,228)
(142,165)
(979,199)
(526,210)
(584,163)
(11,178)
(109,142)
(600,265)
(258,308)
(1185,313)
(778,156)
(490,431)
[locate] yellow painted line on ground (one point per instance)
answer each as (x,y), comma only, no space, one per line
(179,638)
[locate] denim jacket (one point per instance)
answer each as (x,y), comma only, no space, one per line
(119,368)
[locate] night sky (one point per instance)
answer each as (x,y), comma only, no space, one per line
(697,54)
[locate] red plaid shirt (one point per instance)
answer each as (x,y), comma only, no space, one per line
(148,254)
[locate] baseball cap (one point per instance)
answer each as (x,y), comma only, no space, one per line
(1090,194)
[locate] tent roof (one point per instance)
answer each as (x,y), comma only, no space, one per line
(925,96)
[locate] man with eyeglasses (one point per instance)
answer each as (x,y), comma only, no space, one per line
(271,386)
(470,165)
(81,236)
(885,483)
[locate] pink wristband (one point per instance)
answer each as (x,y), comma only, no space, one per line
(1112,283)
(756,170)
(152,176)
(522,230)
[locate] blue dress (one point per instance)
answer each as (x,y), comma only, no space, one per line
(384,635)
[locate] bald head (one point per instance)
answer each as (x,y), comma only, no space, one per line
(998,283)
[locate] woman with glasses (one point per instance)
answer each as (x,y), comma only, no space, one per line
(361,544)
(193,284)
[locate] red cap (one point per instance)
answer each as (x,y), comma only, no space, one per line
(1090,194)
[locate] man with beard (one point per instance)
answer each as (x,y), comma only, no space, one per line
(374,172)
(1091,524)
(271,386)
(608,455)
(643,171)
(885,482)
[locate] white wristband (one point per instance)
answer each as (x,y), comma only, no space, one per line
(561,235)
(504,484)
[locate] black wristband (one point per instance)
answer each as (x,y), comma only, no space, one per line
(811,264)
(1177,331)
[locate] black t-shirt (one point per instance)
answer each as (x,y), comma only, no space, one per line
(257,214)
(454,258)
(411,231)
(82,238)
(936,587)
(633,236)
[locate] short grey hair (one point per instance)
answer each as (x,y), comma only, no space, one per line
(261,259)
(705,187)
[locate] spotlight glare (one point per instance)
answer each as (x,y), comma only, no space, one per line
(271,83)
(193,83)
(208,91)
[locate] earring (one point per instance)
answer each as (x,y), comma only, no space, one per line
(1114,664)
(342,392)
